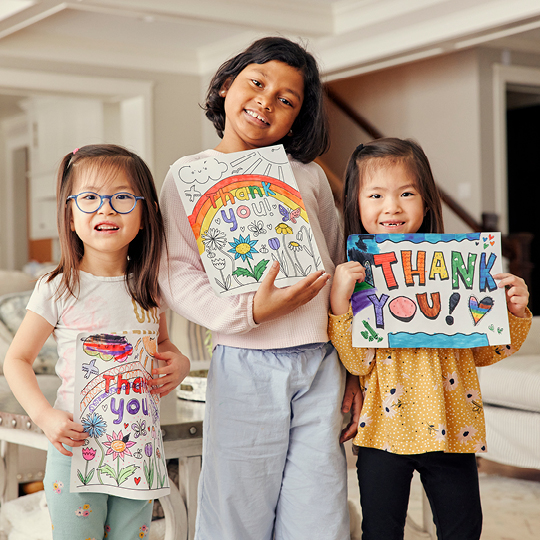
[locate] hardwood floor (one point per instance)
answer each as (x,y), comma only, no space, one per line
(491,467)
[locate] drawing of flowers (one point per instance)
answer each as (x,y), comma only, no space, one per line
(118,446)
(284,229)
(149,469)
(88,454)
(95,426)
(214,239)
(310,251)
(244,248)
(275,245)
(219,264)
(295,247)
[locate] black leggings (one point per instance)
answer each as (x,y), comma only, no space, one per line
(450,482)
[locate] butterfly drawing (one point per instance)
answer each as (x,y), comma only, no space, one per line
(292,215)
(257,227)
(139,427)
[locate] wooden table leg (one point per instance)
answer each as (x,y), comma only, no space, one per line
(189,469)
(9,455)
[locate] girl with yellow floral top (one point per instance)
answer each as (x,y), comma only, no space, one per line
(422,407)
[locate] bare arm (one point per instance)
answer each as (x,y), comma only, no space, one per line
(57,425)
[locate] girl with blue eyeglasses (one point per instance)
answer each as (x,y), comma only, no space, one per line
(111,235)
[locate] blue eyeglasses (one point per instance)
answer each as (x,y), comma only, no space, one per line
(90,202)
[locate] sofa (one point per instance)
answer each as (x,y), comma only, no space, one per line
(15,290)
(511,397)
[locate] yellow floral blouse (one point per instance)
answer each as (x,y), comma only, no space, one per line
(421,400)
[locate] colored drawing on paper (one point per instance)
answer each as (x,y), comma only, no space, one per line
(428,290)
(124,451)
(245,211)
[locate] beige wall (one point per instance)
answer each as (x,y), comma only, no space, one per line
(437,103)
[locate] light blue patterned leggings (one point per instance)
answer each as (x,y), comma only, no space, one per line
(90,516)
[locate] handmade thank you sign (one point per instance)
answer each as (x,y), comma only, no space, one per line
(428,290)
(124,451)
(246,211)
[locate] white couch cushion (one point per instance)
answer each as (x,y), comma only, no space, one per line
(513,382)
(513,437)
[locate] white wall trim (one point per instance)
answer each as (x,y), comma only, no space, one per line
(108,89)
(105,88)
(503,76)
(15,136)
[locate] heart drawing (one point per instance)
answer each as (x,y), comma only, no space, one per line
(479,309)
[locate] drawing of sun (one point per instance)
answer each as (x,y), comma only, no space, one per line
(265,161)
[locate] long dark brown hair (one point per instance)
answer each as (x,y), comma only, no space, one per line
(383,153)
(144,252)
(309,137)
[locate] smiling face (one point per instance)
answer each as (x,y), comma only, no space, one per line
(261,105)
(389,201)
(105,234)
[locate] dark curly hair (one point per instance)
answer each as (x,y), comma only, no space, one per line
(309,137)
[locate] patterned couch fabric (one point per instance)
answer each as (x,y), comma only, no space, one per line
(12,312)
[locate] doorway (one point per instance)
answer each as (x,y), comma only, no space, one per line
(129,102)
(523,185)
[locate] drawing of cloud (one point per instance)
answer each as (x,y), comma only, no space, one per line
(202,171)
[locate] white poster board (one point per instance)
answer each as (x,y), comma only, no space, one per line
(428,290)
(245,210)
(124,452)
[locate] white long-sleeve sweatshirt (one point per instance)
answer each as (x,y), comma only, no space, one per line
(186,289)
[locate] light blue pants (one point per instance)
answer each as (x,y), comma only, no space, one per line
(272,463)
(79,516)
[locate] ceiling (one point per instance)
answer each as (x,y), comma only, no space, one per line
(194,37)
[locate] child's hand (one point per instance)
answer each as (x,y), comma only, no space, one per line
(173,373)
(345,278)
(517,293)
(352,401)
(271,302)
(60,429)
